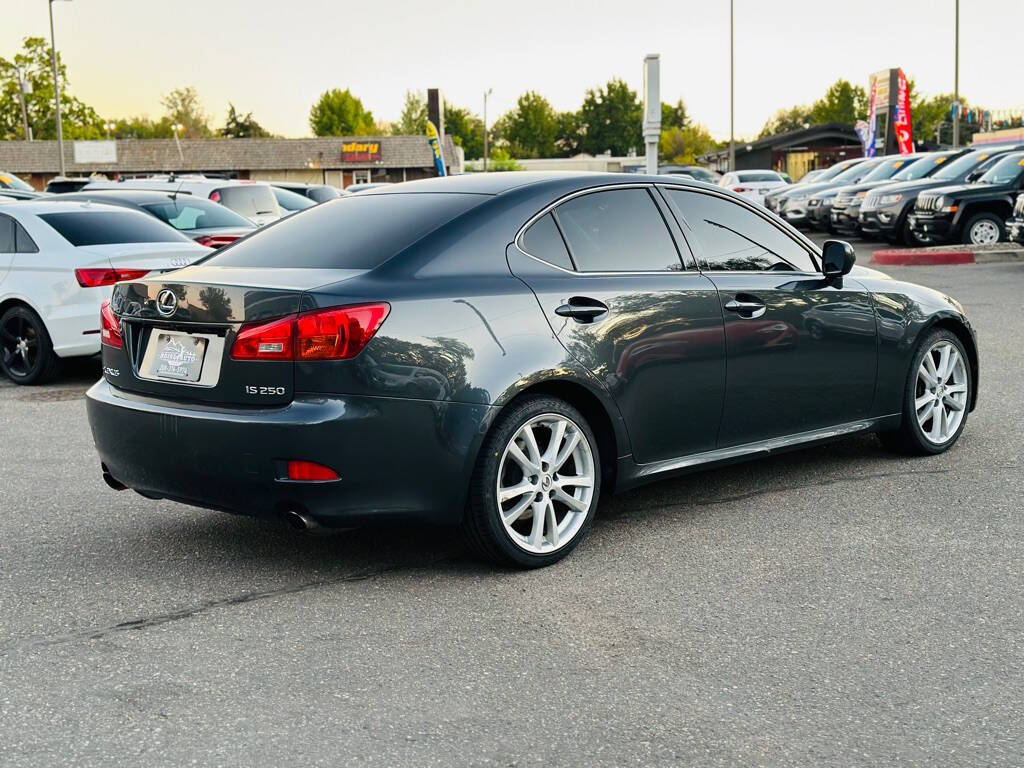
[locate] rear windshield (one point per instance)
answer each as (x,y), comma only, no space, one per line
(110,228)
(249,199)
(193,213)
(357,232)
(749,176)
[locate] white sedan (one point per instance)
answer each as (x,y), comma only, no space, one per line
(58,261)
(753,185)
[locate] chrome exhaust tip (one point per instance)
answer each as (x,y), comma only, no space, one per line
(300,521)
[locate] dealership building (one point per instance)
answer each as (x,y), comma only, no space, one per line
(795,152)
(339,161)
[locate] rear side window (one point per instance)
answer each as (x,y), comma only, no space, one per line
(23,242)
(189,213)
(543,241)
(617,230)
(247,199)
(110,228)
(7,235)
(735,239)
(357,232)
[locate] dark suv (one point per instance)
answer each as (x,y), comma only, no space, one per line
(845,213)
(971,213)
(885,213)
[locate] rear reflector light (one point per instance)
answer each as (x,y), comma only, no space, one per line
(94,278)
(216,241)
(739,189)
(110,330)
(215,196)
(310,471)
(328,334)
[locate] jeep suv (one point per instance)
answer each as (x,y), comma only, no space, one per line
(976,213)
(885,213)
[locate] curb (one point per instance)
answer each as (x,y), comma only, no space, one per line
(938,256)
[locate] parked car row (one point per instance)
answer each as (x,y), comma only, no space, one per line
(964,195)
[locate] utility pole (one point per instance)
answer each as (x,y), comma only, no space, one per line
(24,87)
(487,93)
(56,92)
(956,78)
(732,92)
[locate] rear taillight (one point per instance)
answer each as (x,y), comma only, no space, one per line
(215,196)
(110,330)
(268,341)
(306,471)
(328,334)
(739,189)
(216,241)
(95,278)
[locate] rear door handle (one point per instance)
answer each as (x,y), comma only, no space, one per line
(746,309)
(582,309)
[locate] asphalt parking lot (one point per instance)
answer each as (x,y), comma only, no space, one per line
(835,606)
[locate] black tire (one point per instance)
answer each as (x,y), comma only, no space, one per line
(979,217)
(906,235)
(21,323)
(483,529)
(910,438)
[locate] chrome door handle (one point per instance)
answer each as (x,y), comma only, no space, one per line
(746,309)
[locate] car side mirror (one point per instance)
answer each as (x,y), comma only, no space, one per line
(837,258)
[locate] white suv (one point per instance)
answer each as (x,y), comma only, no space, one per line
(58,261)
(253,199)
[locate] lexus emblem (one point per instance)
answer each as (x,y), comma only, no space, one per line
(166,302)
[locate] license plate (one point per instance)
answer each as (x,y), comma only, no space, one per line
(178,356)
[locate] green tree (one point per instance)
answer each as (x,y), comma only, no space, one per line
(674,116)
(413,120)
(466,130)
(78,119)
(568,141)
(682,146)
(933,117)
(185,108)
(530,128)
(842,103)
(142,127)
(786,120)
(501,160)
(242,126)
(609,120)
(338,113)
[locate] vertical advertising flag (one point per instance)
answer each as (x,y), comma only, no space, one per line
(435,146)
(869,139)
(902,124)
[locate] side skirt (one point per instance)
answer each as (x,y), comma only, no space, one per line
(631,474)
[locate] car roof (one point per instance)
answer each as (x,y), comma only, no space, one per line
(129,194)
(57,204)
(505,181)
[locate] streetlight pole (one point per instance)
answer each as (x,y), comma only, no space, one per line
(956,77)
(732,100)
(56,92)
(487,93)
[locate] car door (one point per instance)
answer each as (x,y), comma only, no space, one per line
(801,350)
(622,293)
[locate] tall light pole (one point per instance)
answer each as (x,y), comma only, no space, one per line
(487,93)
(956,77)
(732,100)
(56,92)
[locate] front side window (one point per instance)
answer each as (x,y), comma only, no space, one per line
(110,228)
(618,230)
(735,239)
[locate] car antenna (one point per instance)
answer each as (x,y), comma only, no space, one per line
(174,194)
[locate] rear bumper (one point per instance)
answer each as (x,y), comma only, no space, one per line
(396,458)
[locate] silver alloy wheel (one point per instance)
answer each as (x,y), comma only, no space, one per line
(545,483)
(984,232)
(941,392)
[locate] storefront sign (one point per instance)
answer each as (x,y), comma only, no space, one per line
(87,152)
(361,152)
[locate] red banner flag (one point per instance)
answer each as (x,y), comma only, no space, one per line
(902,123)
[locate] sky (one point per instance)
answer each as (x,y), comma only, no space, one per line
(275,58)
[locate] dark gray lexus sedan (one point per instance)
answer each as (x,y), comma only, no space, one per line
(497,351)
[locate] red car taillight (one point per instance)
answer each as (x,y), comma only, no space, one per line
(110,330)
(328,334)
(216,241)
(94,278)
(215,196)
(739,189)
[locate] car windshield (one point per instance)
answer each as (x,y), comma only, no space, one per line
(1006,170)
(110,228)
(887,168)
(194,213)
(856,172)
(291,201)
(921,168)
(249,199)
(954,169)
(11,181)
(830,173)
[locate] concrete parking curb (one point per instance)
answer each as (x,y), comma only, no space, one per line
(939,256)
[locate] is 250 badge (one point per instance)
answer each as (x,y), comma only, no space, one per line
(251,390)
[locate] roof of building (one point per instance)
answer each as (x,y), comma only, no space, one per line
(139,155)
(801,136)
